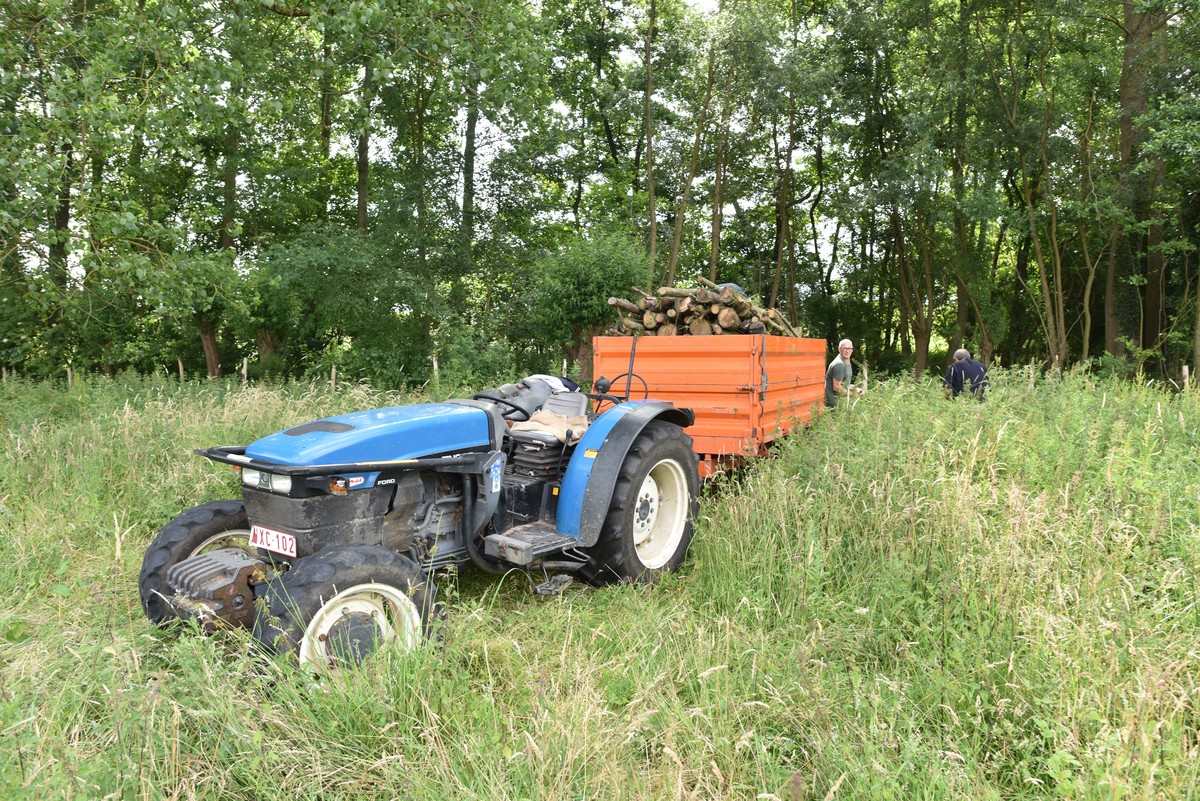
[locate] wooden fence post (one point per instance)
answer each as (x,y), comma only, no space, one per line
(179,364)
(333,377)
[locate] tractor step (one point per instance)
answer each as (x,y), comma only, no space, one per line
(522,544)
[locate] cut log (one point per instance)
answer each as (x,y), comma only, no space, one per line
(732,297)
(666,331)
(699,327)
(672,313)
(624,305)
(684,305)
(782,321)
(775,326)
(632,324)
(728,318)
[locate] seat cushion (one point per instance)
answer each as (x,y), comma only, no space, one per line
(546,426)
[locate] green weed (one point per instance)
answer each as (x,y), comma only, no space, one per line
(916,598)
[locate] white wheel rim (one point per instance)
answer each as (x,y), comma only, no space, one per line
(395,616)
(233,538)
(660,514)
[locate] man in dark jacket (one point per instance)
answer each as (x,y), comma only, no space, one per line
(966,373)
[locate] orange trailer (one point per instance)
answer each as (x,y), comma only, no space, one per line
(745,389)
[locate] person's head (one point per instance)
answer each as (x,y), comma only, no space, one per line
(846,349)
(961,355)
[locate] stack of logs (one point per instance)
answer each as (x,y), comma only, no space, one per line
(704,310)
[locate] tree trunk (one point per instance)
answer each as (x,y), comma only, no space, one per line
(1138,57)
(921,335)
(467,235)
(1090,282)
(208,340)
(60,220)
(324,133)
(1156,278)
(958,180)
(961,311)
(229,186)
(693,166)
(783,203)
(718,215)
(1088,190)
(923,302)
(648,126)
(597,51)
(1047,318)
(11,271)
(267,342)
(1112,326)
(581,353)
(1196,334)
(364,148)
(424,94)
(819,165)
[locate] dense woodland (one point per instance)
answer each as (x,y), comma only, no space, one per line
(376,185)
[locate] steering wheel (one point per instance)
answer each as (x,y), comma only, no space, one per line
(645,386)
(503,402)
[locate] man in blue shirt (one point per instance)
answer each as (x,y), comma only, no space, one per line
(966,373)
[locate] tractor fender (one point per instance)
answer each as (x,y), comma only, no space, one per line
(591,475)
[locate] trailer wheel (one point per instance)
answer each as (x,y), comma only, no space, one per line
(203,528)
(649,523)
(343,603)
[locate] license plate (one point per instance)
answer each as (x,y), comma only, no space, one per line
(273,540)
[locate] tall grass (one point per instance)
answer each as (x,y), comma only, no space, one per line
(916,598)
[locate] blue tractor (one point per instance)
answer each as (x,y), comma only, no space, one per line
(344,522)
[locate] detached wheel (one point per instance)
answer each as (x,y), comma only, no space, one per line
(203,528)
(649,524)
(344,603)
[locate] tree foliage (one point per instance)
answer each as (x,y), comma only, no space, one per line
(375,184)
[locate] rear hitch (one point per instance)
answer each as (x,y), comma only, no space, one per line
(215,588)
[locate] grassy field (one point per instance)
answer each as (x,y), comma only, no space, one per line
(915,599)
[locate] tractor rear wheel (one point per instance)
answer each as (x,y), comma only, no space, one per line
(341,604)
(203,528)
(649,523)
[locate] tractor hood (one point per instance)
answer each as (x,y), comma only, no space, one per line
(396,432)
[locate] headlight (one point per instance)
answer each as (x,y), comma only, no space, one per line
(267,481)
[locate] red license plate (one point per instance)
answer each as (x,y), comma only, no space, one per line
(273,540)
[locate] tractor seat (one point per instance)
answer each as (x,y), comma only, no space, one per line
(568,404)
(561,413)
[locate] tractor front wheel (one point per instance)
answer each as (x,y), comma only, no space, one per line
(649,523)
(203,528)
(344,603)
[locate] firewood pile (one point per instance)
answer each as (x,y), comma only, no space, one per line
(700,311)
